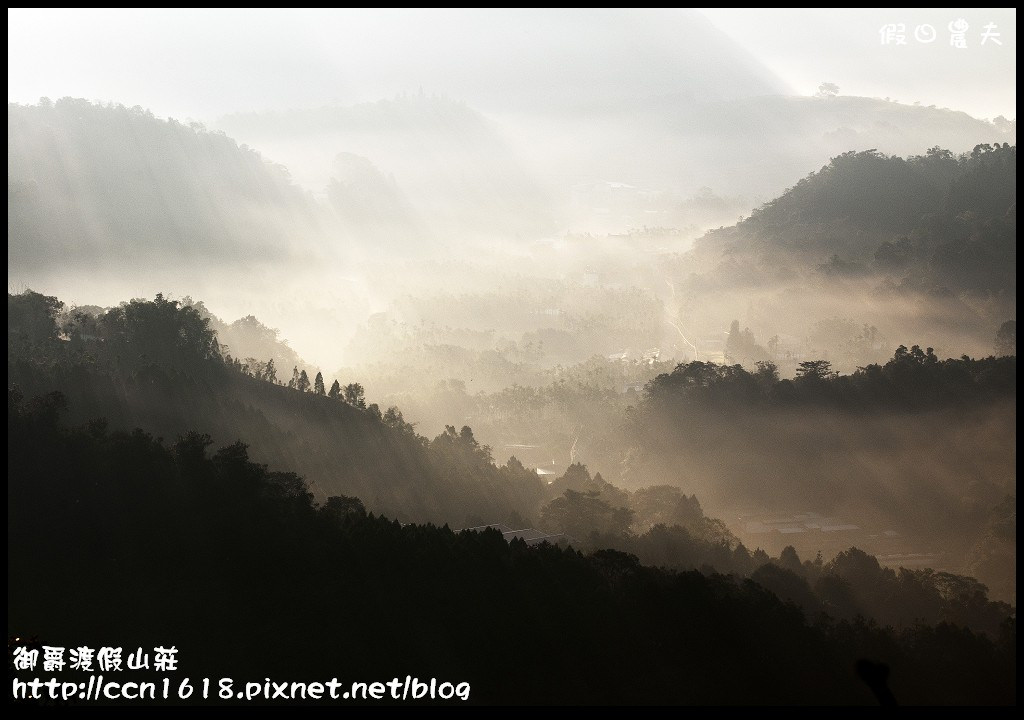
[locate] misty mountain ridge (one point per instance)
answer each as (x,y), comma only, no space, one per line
(452,165)
(941,219)
(440,170)
(89,183)
(655,153)
(564,356)
(891,247)
(758,146)
(159,366)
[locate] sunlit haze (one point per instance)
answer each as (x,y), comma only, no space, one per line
(514,356)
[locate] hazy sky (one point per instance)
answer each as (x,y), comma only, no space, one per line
(203,63)
(844,46)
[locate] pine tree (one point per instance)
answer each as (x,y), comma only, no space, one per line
(294,382)
(270,373)
(318,384)
(303,383)
(335,391)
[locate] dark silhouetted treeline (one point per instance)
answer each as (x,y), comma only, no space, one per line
(118,538)
(916,447)
(913,379)
(158,365)
(664,527)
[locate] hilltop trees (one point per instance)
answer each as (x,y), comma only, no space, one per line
(32,319)
(814,371)
(578,514)
(827,90)
(157,363)
(355,395)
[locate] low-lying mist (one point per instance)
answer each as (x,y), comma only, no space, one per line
(584,318)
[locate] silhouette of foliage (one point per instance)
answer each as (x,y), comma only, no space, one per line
(119,535)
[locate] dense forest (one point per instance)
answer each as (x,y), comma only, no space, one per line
(910,445)
(157,364)
(113,535)
(870,249)
(938,222)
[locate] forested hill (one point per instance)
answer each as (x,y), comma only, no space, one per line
(159,366)
(937,222)
(99,184)
(115,537)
